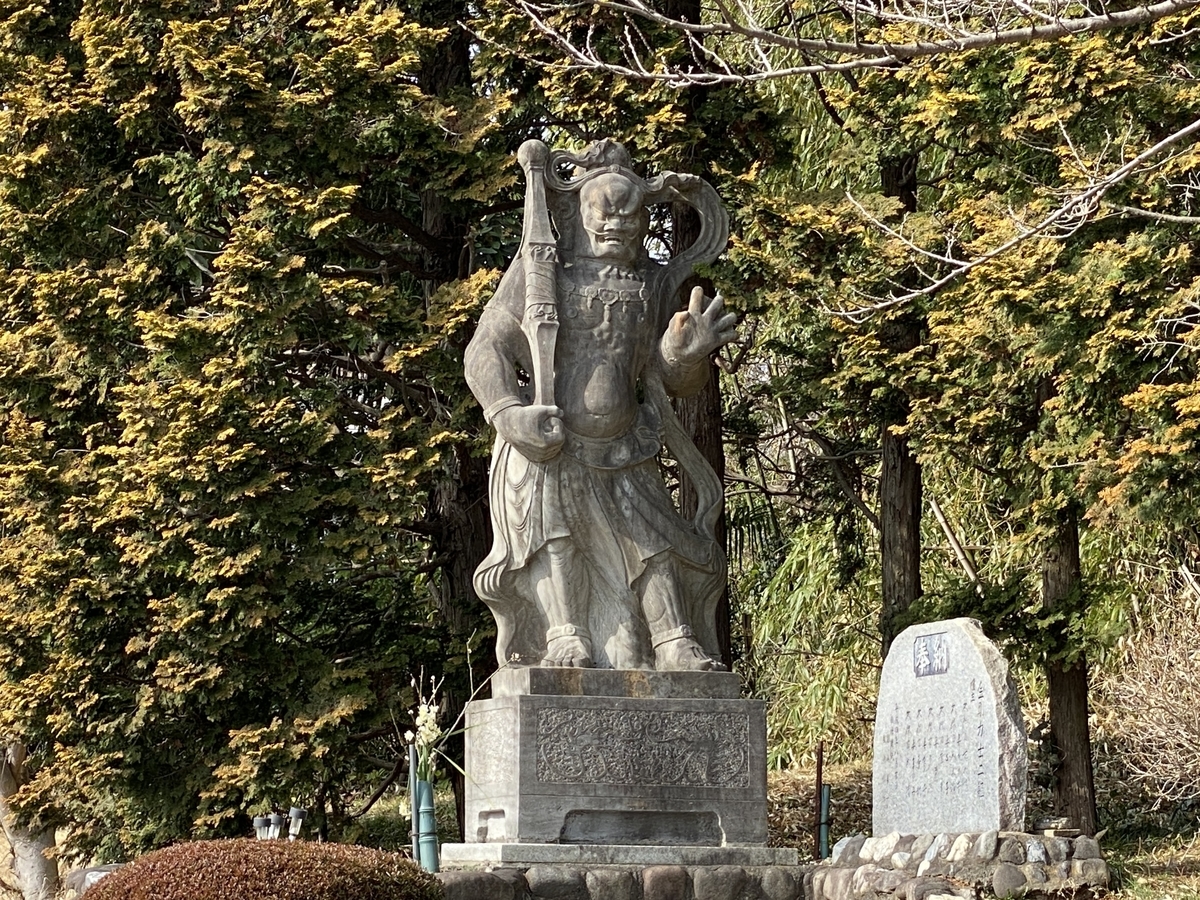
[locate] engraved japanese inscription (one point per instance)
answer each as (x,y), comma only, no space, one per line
(939,752)
(620,746)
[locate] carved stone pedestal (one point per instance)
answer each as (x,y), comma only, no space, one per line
(618,759)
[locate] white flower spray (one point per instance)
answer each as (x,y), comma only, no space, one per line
(428,734)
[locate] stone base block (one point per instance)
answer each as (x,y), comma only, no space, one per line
(489,856)
(589,769)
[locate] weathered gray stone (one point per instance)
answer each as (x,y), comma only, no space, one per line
(1085,848)
(1035,851)
(622,738)
(950,748)
(719,882)
(938,847)
(814,883)
(921,888)
(837,884)
(779,884)
(847,850)
(1008,881)
(613,884)
(861,879)
(901,860)
(580,439)
(665,883)
(985,847)
(548,769)
(81,880)
(1058,849)
(464,856)
(1090,871)
(476,886)
(1035,874)
(933,867)
(960,848)
(887,881)
(556,883)
(866,853)
(885,846)
(835,851)
(1012,850)
(644,684)
(514,877)
(920,844)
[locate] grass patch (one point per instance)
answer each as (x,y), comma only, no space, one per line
(1157,868)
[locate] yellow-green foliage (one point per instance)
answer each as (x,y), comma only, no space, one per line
(247,869)
(229,381)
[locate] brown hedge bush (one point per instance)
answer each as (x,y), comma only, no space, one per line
(246,869)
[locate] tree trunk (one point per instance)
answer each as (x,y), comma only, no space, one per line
(701,418)
(36,874)
(899,532)
(458,508)
(900,476)
(1074,787)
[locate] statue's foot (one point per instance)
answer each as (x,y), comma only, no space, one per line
(678,651)
(568,647)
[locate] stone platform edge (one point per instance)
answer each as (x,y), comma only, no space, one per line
(999,864)
(638,684)
(520,855)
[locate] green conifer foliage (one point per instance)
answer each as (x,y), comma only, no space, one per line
(227,381)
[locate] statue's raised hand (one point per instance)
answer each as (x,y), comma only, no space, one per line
(536,431)
(697,331)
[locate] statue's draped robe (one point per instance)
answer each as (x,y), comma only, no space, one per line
(606,495)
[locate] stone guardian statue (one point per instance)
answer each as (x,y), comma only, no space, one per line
(573,361)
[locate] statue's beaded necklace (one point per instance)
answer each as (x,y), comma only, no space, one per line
(630,304)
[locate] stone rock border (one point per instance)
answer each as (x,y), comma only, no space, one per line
(928,866)
(904,867)
(560,882)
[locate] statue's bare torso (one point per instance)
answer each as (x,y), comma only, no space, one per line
(605,332)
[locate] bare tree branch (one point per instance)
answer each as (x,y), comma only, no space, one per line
(754,52)
(1151,214)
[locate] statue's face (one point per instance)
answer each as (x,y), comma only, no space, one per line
(610,208)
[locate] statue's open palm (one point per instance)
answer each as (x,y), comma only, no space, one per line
(697,331)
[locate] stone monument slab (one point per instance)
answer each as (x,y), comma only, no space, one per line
(950,744)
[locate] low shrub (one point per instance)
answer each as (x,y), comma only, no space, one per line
(247,869)
(1156,696)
